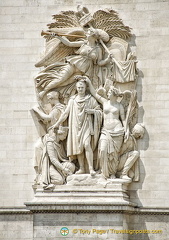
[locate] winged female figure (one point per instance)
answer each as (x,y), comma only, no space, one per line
(80,49)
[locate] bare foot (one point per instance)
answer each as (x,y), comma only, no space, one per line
(80,171)
(112,176)
(92,173)
(125,177)
(49,187)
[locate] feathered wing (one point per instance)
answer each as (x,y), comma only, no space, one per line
(65,19)
(132,111)
(131,120)
(55,52)
(65,23)
(126,100)
(109,21)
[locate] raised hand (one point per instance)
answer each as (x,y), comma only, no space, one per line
(66,171)
(35,108)
(87,80)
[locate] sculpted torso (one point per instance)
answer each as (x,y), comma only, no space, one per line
(88,51)
(111,116)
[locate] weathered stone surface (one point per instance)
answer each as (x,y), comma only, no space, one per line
(82,191)
(23,20)
(156,74)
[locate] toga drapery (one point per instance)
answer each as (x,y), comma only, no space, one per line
(83,125)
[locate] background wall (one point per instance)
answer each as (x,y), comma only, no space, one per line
(20,47)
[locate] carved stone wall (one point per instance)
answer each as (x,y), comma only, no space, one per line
(20,49)
(21,45)
(22,225)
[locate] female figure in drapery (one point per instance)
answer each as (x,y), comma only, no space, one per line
(83,48)
(112,133)
(88,60)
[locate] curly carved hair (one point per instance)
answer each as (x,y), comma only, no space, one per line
(53,94)
(80,79)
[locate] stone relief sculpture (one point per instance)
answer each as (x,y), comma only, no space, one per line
(85,118)
(87,102)
(88,60)
(128,167)
(50,149)
(112,133)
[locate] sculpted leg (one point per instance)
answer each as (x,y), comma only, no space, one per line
(81,164)
(129,163)
(55,176)
(103,158)
(38,159)
(51,153)
(89,156)
(65,75)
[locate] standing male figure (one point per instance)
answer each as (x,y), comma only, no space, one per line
(85,118)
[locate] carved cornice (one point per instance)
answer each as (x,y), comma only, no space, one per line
(14,210)
(53,208)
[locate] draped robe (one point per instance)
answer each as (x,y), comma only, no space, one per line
(83,125)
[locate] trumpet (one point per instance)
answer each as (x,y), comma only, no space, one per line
(43,33)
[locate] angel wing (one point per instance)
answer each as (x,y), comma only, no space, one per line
(130,104)
(65,23)
(65,19)
(109,21)
(55,52)
(126,95)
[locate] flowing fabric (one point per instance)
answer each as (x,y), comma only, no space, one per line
(126,152)
(128,72)
(57,148)
(108,157)
(83,125)
(59,154)
(85,62)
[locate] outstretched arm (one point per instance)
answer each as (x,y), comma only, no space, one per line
(66,42)
(62,117)
(93,91)
(44,116)
(103,62)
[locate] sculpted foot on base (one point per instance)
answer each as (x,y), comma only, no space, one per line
(125,177)
(92,173)
(49,187)
(80,171)
(112,176)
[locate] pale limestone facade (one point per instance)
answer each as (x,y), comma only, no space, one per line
(21,44)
